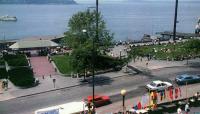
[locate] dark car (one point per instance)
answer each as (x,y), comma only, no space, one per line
(186,78)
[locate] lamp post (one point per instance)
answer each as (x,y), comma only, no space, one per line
(123,93)
(93,50)
(175,20)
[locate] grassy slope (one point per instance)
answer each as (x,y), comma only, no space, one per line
(63,63)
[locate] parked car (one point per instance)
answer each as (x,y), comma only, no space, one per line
(158,85)
(187,78)
(98,100)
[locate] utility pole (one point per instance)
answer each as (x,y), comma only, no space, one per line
(4,41)
(93,52)
(175,21)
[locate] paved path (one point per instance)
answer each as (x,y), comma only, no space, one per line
(41,66)
(46,84)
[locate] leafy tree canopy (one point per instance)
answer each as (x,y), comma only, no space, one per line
(75,37)
(82,42)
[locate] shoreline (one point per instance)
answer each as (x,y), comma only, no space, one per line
(47,37)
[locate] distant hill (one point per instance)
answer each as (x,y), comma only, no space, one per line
(37,2)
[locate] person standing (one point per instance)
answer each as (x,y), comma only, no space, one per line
(179,111)
(187,108)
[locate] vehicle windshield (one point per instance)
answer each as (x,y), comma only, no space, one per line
(153,84)
(180,77)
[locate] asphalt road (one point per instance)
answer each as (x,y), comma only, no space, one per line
(133,83)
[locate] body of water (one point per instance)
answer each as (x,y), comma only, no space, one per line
(126,20)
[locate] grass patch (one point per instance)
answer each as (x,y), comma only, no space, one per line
(22,77)
(3,73)
(16,60)
(179,51)
(63,63)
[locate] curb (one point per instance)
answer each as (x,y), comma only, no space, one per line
(84,83)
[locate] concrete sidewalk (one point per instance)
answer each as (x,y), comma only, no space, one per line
(157,64)
(46,85)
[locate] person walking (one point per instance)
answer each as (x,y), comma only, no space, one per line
(179,111)
(187,108)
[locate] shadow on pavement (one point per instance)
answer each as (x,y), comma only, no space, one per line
(99,81)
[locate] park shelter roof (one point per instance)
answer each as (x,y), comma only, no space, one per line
(22,44)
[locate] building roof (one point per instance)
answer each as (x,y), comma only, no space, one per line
(22,44)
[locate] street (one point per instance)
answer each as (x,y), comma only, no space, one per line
(134,84)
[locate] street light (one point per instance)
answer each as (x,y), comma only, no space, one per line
(175,20)
(85,31)
(123,93)
(93,49)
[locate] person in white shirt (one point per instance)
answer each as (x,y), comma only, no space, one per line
(179,111)
(187,108)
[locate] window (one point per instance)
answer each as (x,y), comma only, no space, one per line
(163,84)
(158,85)
(188,78)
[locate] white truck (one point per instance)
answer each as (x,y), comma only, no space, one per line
(68,108)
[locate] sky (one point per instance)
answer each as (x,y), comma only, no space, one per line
(107,1)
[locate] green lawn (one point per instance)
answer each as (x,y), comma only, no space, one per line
(164,51)
(63,63)
(3,73)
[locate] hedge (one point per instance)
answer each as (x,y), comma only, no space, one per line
(3,73)
(22,77)
(2,61)
(16,60)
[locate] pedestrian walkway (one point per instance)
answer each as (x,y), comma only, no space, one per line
(155,64)
(46,85)
(41,66)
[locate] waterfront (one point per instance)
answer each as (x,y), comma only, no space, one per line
(126,20)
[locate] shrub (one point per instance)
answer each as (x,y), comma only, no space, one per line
(16,60)
(2,61)
(22,77)
(3,73)
(105,62)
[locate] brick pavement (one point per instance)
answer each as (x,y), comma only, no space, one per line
(41,66)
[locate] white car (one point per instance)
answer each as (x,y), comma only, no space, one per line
(158,85)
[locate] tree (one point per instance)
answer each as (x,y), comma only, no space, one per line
(74,37)
(82,43)
(193,46)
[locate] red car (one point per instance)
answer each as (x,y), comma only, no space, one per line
(98,100)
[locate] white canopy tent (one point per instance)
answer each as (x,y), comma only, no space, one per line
(27,44)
